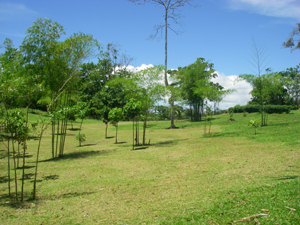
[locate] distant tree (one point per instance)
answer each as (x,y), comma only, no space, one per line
(171,8)
(197,87)
(291,42)
(292,82)
(274,90)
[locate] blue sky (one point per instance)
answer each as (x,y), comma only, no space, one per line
(221,31)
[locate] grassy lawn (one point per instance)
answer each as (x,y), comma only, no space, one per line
(183,176)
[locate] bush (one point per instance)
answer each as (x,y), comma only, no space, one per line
(256,108)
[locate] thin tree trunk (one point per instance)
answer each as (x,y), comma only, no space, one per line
(8,166)
(136,133)
(53,138)
(133,134)
(144,130)
(106,130)
(15,170)
(23,170)
(166,47)
(116,133)
(57,133)
(18,158)
(36,163)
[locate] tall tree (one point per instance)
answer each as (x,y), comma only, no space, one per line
(291,42)
(197,87)
(171,8)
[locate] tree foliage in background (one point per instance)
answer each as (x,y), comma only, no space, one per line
(293,41)
(197,87)
(291,82)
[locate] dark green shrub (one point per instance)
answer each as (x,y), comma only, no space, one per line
(257,108)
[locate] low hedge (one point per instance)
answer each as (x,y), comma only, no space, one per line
(256,108)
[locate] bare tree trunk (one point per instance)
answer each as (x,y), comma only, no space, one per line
(15,169)
(116,133)
(8,166)
(166,47)
(23,171)
(133,134)
(36,163)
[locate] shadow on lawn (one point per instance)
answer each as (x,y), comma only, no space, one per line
(77,155)
(4,179)
(168,143)
(286,178)
(139,148)
(70,195)
(86,145)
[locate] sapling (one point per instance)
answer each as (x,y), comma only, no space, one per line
(80,137)
(115,115)
(231,115)
(254,123)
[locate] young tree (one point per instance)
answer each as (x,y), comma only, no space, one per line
(132,110)
(115,115)
(171,8)
(151,90)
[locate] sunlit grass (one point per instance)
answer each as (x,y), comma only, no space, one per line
(183,176)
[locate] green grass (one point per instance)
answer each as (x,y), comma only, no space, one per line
(183,177)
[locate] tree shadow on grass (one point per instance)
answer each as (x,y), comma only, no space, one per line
(168,143)
(77,155)
(3,154)
(9,201)
(35,138)
(25,167)
(86,145)
(70,195)
(140,148)
(4,179)
(51,177)
(109,137)
(286,178)
(74,129)
(121,142)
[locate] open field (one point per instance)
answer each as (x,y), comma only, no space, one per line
(182,177)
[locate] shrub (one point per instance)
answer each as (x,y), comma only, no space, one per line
(256,108)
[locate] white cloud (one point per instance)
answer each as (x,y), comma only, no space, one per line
(138,68)
(274,8)
(12,11)
(240,97)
